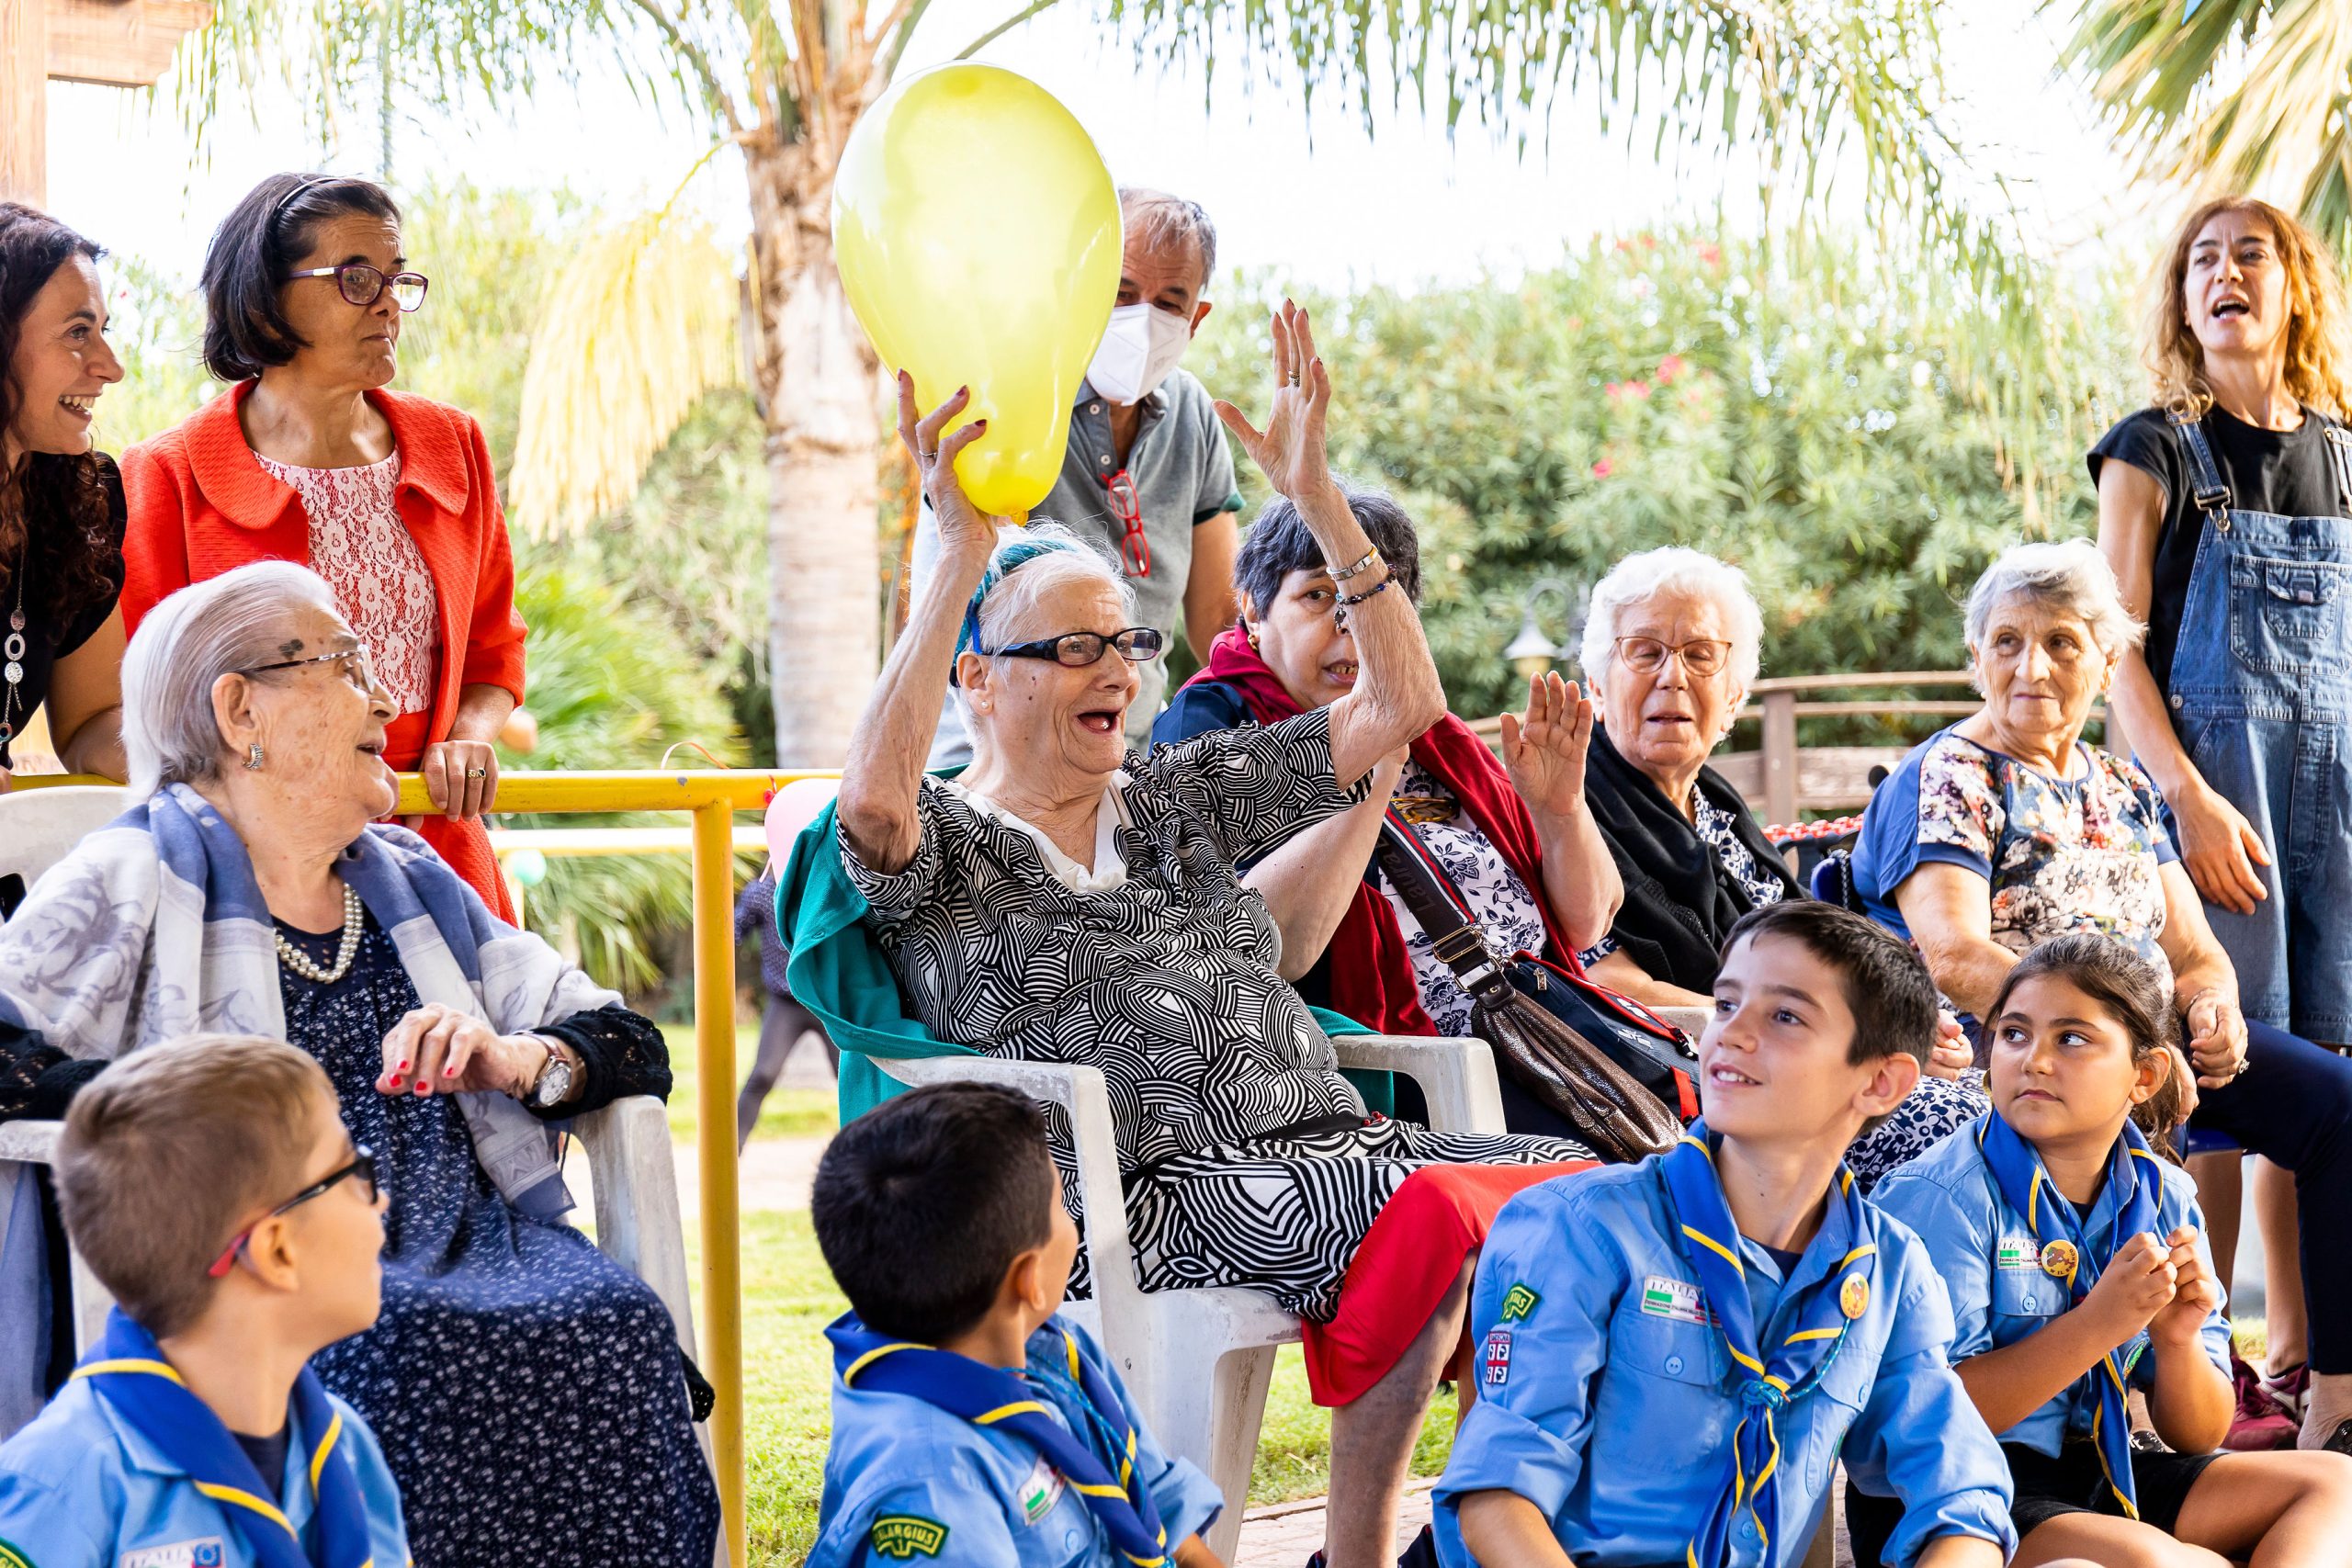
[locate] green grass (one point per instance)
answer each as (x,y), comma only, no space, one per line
(789,1296)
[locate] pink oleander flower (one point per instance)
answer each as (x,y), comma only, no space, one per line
(1603,468)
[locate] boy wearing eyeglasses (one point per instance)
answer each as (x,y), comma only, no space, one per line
(211,1185)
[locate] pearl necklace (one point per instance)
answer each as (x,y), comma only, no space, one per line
(301,962)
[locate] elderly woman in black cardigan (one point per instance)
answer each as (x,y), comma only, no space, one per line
(1672,642)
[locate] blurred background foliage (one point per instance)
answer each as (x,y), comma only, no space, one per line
(1843,432)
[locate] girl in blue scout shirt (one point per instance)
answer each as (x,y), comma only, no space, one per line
(1674,1356)
(2076,1259)
(211,1185)
(971,1424)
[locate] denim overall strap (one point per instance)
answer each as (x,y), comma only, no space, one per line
(2260,694)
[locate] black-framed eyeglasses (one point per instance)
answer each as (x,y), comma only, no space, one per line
(359,670)
(362,1166)
(1078,650)
(361,284)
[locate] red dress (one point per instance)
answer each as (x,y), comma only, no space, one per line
(202,503)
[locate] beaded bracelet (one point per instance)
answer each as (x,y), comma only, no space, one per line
(1340,574)
(1348,601)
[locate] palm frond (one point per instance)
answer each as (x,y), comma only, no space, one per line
(633,331)
(2230,94)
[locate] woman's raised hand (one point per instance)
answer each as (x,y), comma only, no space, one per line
(1290,449)
(1545,747)
(964,529)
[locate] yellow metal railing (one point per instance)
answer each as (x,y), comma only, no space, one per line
(713,798)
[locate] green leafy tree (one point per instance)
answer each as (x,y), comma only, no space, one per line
(786,84)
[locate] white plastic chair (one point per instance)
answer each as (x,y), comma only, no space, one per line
(39,826)
(1199,1363)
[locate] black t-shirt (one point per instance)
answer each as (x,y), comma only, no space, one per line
(2284,472)
(46,642)
(268,1454)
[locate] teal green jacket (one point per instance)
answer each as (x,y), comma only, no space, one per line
(838,972)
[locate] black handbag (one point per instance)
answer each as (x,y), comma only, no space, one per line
(1538,1051)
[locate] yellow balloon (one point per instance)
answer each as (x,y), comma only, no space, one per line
(977,235)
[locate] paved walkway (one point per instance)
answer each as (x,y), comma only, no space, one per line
(1284,1535)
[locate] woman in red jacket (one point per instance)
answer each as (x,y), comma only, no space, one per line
(309,458)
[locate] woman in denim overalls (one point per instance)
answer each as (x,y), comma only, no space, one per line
(2229,524)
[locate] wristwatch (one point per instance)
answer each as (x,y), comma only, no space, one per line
(553,1084)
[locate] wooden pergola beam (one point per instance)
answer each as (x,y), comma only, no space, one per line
(113,43)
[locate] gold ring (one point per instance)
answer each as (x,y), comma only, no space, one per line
(477,772)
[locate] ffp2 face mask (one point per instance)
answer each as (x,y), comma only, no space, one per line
(1140,346)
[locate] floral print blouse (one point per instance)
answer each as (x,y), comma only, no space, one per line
(2061,855)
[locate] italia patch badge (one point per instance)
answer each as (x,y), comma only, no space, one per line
(204,1553)
(1678,1301)
(1494,1358)
(905,1536)
(1518,1302)
(2016,1252)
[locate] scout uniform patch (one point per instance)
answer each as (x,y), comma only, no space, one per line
(904,1536)
(2058,1260)
(1495,1358)
(2016,1252)
(1518,1302)
(205,1553)
(1040,1490)
(1854,1296)
(1677,1300)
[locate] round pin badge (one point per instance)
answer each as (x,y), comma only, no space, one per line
(2058,1259)
(1854,1296)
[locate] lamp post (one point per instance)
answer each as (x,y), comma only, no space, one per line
(1531,652)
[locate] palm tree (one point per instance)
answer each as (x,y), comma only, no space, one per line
(784,81)
(2230,95)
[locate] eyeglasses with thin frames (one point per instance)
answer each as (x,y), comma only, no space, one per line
(361,284)
(1702,657)
(1126,505)
(359,670)
(363,1166)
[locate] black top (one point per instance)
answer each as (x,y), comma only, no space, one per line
(1680,900)
(45,642)
(268,1454)
(2284,472)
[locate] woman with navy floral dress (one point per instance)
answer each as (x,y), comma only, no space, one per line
(529,1394)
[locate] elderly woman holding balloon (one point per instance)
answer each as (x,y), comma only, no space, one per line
(1065,900)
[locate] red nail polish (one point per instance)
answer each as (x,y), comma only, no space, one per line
(394,1080)
(423,1087)
(450,1071)
(403,1065)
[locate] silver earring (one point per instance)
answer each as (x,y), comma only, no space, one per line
(254,755)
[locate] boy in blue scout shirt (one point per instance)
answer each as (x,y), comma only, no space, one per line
(970,1423)
(2076,1259)
(211,1185)
(1673,1356)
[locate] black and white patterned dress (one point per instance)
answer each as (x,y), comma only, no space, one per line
(1250,1160)
(528,1392)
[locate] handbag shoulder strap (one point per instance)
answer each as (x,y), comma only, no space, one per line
(1455,935)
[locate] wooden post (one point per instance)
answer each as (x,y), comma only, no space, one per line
(1780,757)
(24,101)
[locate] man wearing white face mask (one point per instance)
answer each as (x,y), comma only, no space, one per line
(1146,468)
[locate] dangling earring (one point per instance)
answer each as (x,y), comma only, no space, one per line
(254,755)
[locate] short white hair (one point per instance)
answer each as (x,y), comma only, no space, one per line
(216,628)
(1641,577)
(1008,609)
(2069,576)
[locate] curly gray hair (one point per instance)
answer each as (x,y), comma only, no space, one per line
(1672,569)
(2069,576)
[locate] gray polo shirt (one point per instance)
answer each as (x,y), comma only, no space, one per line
(1184,476)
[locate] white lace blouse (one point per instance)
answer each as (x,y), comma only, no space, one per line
(367,556)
